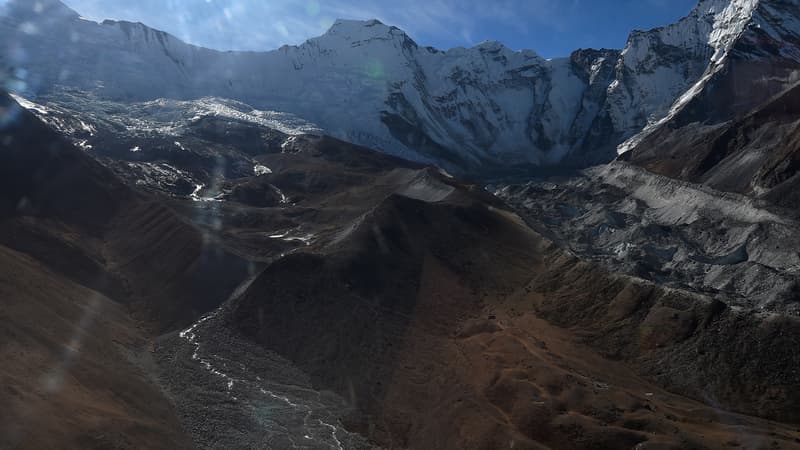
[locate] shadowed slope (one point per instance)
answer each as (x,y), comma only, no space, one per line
(64,208)
(758,154)
(427,316)
(78,251)
(70,375)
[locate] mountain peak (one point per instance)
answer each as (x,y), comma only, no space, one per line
(729,22)
(490,45)
(357,23)
(362,30)
(705,7)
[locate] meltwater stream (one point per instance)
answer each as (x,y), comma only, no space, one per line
(231,393)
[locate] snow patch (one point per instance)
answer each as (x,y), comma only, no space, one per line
(285,236)
(259,170)
(195,195)
(84,145)
(29,105)
(87,128)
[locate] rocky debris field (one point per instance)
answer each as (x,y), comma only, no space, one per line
(744,252)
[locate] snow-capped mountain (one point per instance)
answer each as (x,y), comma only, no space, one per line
(739,53)
(475,110)
(735,129)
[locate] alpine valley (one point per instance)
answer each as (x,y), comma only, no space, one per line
(360,242)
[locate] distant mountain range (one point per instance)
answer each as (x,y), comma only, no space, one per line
(484,111)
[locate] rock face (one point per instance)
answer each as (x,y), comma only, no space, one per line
(181,148)
(673,233)
(757,155)
(62,207)
(754,52)
(736,129)
(481,111)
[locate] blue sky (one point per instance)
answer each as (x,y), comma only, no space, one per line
(550,27)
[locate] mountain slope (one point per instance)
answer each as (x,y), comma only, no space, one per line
(428,303)
(756,54)
(78,365)
(70,378)
(429,318)
(758,154)
(479,111)
(64,208)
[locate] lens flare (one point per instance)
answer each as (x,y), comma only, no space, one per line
(312,8)
(375,70)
